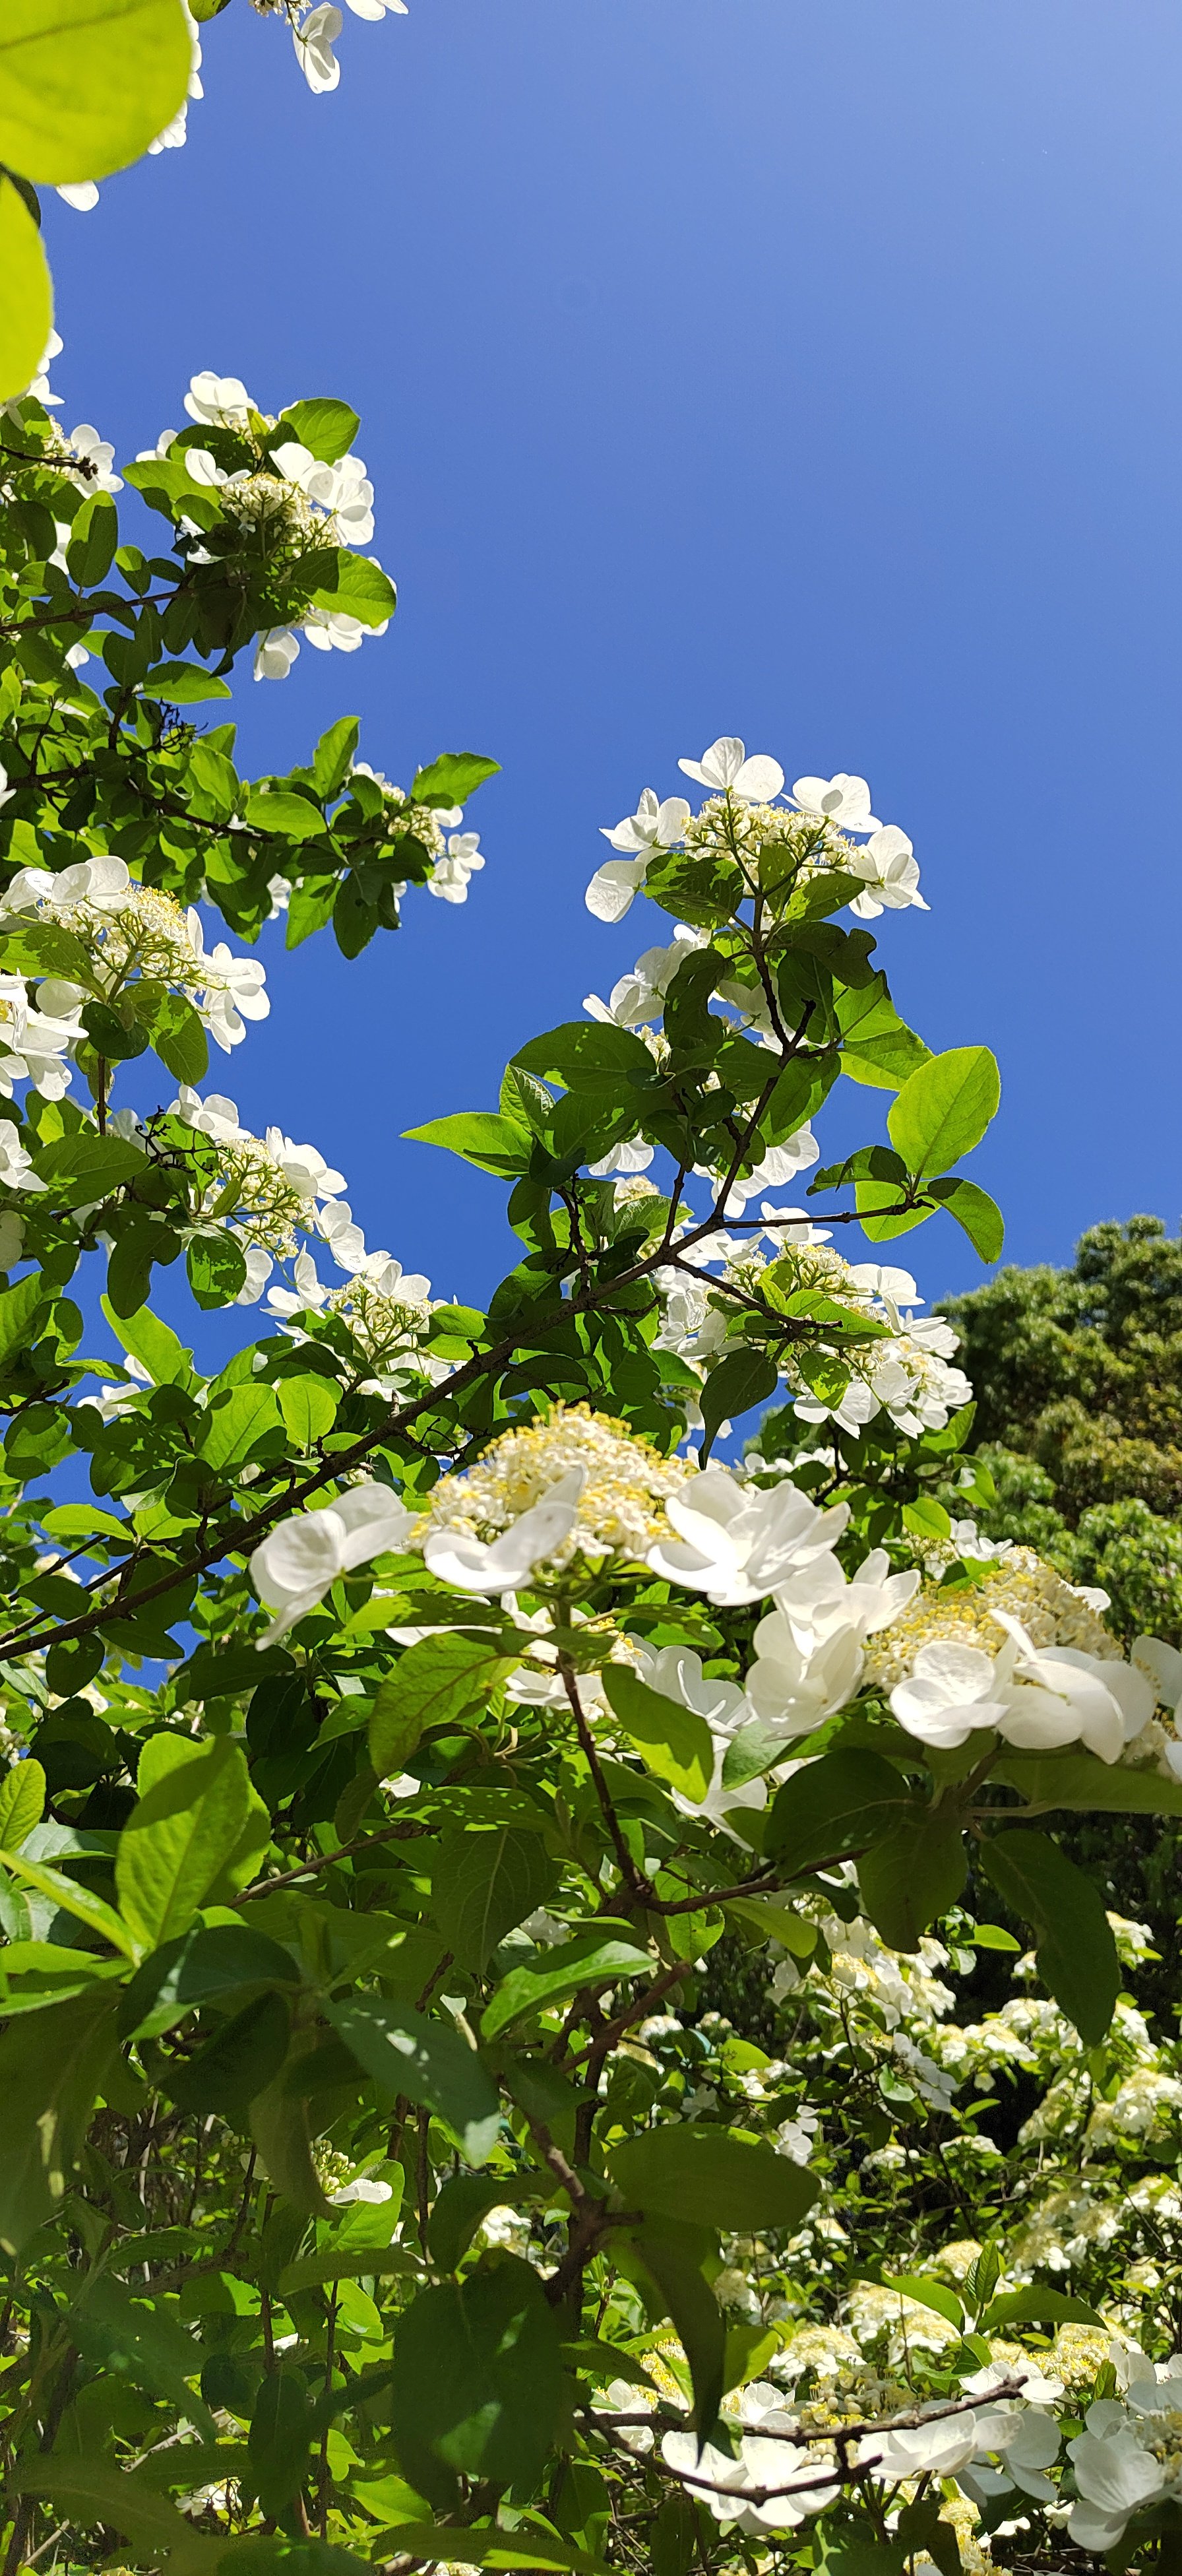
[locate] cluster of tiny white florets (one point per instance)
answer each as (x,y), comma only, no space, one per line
(621,1508)
(131,934)
(730,827)
(385,1326)
(1052,1612)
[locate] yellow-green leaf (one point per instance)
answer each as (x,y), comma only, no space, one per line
(26,294)
(86,85)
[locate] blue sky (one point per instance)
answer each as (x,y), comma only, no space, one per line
(809,372)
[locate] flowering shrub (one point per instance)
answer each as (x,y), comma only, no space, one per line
(397,1719)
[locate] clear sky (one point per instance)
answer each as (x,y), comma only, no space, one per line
(803,369)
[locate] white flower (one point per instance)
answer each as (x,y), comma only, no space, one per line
(653,827)
(472,1566)
(99,454)
(344,1239)
(82,195)
(725,765)
(937,2447)
(784,1226)
(647,834)
(1164,1666)
(221,400)
(215,1116)
(622,1158)
(842,800)
(234,993)
(449,876)
(1036,1701)
(891,870)
(16,1171)
(1063,1695)
(377,8)
(275,652)
(737,1544)
(1114,2476)
(779,1164)
(820,1599)
(299,1562)
(797,2137)
(952,1689)
(304,1167)
(677,1673)
(796,1689)
(306,1292)
(259,1265)
(314,42)
(365,2187)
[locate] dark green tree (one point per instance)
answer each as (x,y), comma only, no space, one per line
(1077,1375)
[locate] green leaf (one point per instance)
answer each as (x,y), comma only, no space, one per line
(877,1047)
(74,1899)
(1040,2307)
(477,2382)
(358,589)
(128,2339)
(743,1378)
(309,1407)
(26,296)
(1075,1950)
(943,1110)
(280,2437)
(333,756)
(980,1215)
(453,778)
(326,428)
(52,2066)
(671,2256)
(182,684)
(236,1422)
(141,1243)
(711,2177)
(587,1961)
(674,1742)
(478,1136)
(86,85)
(22,1803)
(833,1807)
(206,1965)
(591,1056)
(177,1034)
(94,535)
(154,1344)
(752,1750)
(109,1034)
(216,1268)
(82,1169)
(193,1804)
(17,1308)
(279,2126)
(93,2492)
(276,809)
(491,2547)
(935,2295)
(237,2062)
(462,2206)
(1074,1780)
(483,1885)
(406,2053)
(914,1873)
(432,1683)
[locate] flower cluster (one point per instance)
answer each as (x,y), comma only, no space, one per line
(904,1372)
(126,935)
(826,828)
(275,504)
(271,1194)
